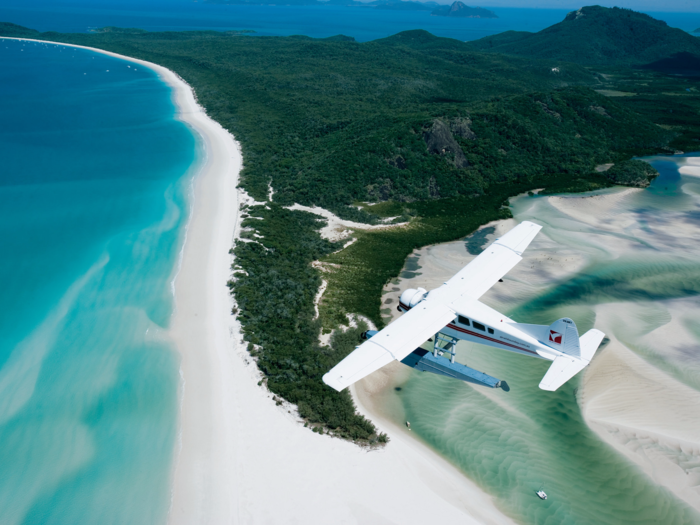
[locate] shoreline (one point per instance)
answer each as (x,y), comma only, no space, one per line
(201,327)
(236,448)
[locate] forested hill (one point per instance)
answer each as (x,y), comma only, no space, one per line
(596,36)
(331,122)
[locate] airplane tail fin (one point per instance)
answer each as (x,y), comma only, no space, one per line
(567,366)
(563,336)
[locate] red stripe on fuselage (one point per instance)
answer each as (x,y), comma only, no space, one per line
(474,334)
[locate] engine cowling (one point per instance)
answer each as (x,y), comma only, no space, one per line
(412,297)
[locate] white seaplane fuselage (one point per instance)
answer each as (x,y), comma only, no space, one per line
(453,311)
(486,326)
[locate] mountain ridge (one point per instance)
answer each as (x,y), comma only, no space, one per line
(596,35)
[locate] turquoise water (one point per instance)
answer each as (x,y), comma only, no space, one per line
(95,171)
(512,443)
(316,21)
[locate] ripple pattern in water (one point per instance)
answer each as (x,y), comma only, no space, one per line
(637,262)
(92,209)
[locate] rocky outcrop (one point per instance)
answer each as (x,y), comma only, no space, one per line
(548,110)
(440,141)
(462,128)
(600,110)
(398,162)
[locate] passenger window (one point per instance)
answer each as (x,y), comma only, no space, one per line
(479,326)
(490,330)
(463,320)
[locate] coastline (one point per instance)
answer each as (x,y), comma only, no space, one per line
(236,448)
(442,483)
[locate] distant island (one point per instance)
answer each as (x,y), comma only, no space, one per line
(457,9)
(460,10)
(119,30)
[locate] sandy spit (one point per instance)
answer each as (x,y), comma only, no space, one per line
(643,412)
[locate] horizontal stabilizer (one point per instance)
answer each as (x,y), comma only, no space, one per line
(565,367)
(590,341)
(560,371)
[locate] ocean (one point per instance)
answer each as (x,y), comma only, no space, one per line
(279,20)
(93,189)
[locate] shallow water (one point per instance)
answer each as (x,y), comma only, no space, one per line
(92,210)
(642,260)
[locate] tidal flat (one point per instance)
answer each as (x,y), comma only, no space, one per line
(619,443)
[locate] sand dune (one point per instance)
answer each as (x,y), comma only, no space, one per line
(644,413)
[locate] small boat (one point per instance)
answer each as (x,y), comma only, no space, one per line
(408,424)
(541,494)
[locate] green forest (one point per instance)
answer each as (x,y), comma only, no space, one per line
(436,132)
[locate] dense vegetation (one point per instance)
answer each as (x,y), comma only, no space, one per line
(274,285)
(440,134)
(596,35)
(632,173)
(325,121)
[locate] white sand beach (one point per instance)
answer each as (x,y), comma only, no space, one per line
(242,458)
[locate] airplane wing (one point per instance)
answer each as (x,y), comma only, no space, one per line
(396,341)
(431,315)
(476,278)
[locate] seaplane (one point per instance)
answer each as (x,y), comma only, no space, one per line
(453,312)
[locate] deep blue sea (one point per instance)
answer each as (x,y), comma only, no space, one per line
(95,170)
(363,23)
